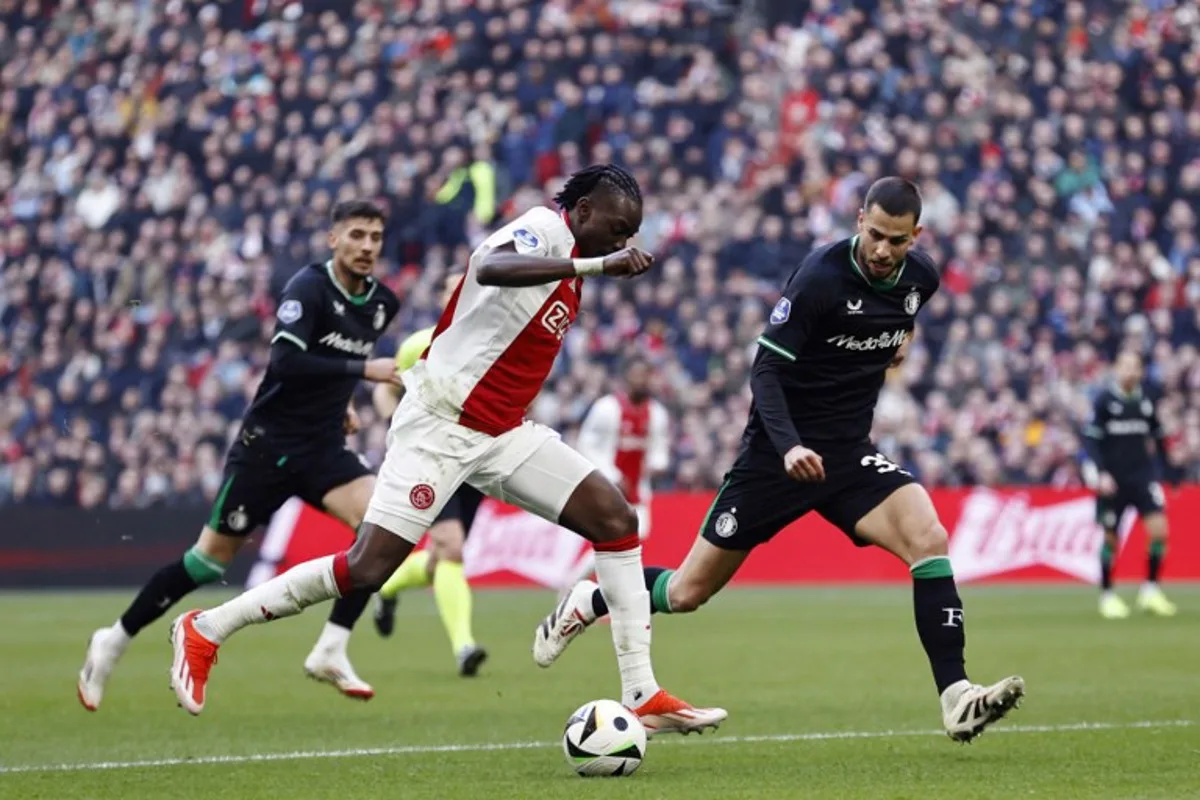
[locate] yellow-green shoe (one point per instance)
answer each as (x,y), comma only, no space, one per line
(1152,600)
(1113,607)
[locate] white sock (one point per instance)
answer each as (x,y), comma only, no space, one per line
(621,580)
(283,596)
(118,637)
(333,637)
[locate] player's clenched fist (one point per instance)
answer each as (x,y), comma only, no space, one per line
(382,370)
(804,465)
(628,263)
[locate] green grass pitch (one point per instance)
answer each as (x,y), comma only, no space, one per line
(828,692)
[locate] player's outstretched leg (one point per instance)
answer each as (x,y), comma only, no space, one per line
(197,635)
(597,511)
(706,569)
(204,563)
(1151,598)
(906,524)
(329,661)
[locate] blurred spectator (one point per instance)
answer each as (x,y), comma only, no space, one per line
(166,167)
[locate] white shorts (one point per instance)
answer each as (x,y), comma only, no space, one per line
(429,457)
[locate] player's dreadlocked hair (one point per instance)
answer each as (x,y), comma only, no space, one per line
(586,181)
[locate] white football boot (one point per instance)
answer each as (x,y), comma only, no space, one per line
(570,617)
(968,709)
(104,649)
(665,713)
(332,666)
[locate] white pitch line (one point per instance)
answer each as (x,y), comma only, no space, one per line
(305,755)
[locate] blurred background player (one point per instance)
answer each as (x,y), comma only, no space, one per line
(1124,439)
(292,443)
(844,316)
(440,564)
(626,434)
(462,420)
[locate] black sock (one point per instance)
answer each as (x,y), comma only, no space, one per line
(347,610)
(1158,549)
(1106,565)
(939,616)
(656,585)
(164,589)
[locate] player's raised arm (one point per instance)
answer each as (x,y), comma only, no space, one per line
(601,208)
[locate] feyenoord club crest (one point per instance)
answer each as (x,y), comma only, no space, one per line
(238,519)
(380,317)
(726,524)
(912,302)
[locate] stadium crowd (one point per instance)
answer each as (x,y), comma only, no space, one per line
(166,166)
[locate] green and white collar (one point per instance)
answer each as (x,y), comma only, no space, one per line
(357,300)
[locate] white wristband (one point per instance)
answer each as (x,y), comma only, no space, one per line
(588,266)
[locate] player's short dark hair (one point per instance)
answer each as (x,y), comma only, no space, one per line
(356,209)
(896,197)
(598,176)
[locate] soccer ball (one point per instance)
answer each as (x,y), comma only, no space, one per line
(604,738)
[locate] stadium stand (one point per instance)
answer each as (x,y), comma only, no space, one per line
(166,166)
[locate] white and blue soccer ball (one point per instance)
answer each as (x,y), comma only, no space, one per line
(604,738)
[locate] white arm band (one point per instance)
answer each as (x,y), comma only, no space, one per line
(586,267)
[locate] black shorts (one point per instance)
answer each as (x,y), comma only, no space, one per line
(759,499)
(259,478)
(462,507)
(1145,495)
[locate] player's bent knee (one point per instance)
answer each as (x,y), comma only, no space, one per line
(618,522)
(927,539)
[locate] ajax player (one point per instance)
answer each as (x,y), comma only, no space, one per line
(626,434)
(462,421)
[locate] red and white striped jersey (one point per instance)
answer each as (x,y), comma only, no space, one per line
(627,441)
(494,346)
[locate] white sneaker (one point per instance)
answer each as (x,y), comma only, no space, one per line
(968,709)
(104,650)
(333,667)
(570,618)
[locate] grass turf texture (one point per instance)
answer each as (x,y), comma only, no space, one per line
(828,692)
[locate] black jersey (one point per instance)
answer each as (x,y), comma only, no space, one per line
(323,336)
(823,356)
(1124,437)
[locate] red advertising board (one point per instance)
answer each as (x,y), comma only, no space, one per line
(995,535)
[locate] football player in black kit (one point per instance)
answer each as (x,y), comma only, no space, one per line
(292,443)
(844,317)
(1124,439)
